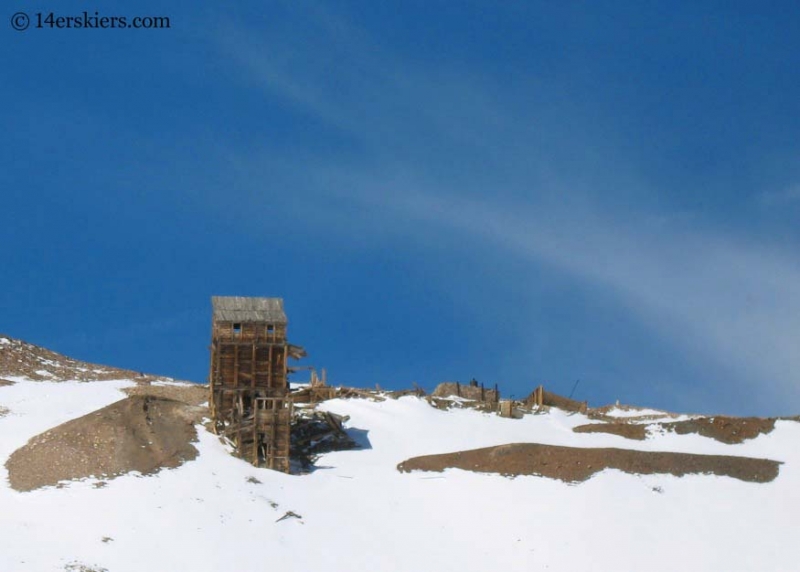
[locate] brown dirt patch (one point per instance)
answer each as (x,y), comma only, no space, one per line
(5,382)
(3,411)
(139,433)
(19,358)
(188,393)
(729,430)
(572,464)
(639,415)
(627,430)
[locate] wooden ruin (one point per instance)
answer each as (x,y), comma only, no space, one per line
(540,398)
(249,386)
(317,389)
(473,390)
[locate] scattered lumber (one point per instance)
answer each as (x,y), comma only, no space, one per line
(316,432)
(351,392)
(541,397)
(296,352)
(416,390)
(289,514)
(473,391)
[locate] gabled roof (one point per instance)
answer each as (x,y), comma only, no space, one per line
(241,309)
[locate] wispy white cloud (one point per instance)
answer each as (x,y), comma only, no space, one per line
(527,171)
(729,303)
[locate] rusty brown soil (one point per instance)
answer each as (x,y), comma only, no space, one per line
(729,430)
(572,464)
(20,358)
(627,430)
(188,393)
(139,433)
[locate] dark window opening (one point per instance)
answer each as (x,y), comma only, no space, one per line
(237,328)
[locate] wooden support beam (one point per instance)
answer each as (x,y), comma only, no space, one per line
(253,368)
(239,432)
(211,404)
(255,427)
(236,366)
(269,377)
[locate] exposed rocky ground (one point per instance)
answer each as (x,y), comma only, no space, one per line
(628,430)
(21,359)
(572,464)
(188,393)
(139,433)
(730,430)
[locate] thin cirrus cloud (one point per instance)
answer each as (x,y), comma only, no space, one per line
(783,197)
(429,146)
(731,306)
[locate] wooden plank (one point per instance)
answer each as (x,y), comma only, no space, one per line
(253,368)
(269,376)
(241,342)
(255,431)
(236,366)
(240,407)
(211,401)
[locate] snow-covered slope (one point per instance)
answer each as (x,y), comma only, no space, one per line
(358,513)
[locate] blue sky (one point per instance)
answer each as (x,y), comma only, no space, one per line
(520,192)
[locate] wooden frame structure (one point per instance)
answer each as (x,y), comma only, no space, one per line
(249,387)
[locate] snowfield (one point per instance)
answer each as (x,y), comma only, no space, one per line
(358,513)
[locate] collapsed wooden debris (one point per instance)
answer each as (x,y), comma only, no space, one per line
(317,390)
(510,409)
(315,432)
(474,395)
(352,393)
(473,390)
(450,395)
(290,514)
(540,397)
(415,391)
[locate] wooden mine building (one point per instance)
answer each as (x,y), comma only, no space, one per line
(249,401)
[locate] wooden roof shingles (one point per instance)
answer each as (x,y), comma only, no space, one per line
(244,309)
